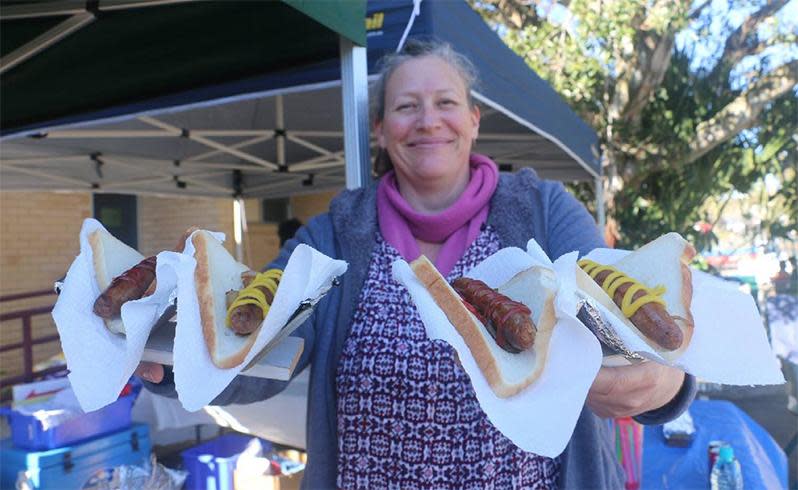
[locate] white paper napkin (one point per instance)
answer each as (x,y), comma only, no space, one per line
(101,362)
(729,343)
(197,380)
(541,418)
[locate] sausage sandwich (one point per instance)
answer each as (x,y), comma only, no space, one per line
(650,290)
(506,330)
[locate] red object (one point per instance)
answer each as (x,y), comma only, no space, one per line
(128,389)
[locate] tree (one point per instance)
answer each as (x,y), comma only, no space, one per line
(678,127)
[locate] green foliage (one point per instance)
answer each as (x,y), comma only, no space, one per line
(597,49)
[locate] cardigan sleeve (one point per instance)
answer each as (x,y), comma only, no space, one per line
(569,227)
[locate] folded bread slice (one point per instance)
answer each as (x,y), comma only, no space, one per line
(217,273)
(110,258)
(506,373)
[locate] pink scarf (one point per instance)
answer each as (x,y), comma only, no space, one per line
(456,227)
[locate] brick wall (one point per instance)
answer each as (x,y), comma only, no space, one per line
(38,241)
(162,220)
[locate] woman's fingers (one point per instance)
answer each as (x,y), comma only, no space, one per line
(150,371)
(631,390)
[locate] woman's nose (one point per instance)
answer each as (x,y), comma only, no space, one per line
(428,118)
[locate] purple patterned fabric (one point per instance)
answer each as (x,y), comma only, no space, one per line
(407,415)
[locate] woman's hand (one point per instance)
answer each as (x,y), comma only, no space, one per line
(150,371)
(626,391)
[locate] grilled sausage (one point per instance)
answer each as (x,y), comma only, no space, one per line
(652,319)
(130,285)
(245,317)
(508,321)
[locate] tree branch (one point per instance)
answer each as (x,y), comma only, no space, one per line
(515,14)
(743,41)
(743,111)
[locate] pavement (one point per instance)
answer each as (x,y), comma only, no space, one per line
(768,406)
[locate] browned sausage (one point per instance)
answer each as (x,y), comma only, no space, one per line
(508,321)
(129,286)
(245,319)
(652,319)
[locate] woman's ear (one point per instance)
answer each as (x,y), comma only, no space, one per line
(475,116)
(379,134)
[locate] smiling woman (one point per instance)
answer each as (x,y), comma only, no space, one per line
(427,130)
(387,406)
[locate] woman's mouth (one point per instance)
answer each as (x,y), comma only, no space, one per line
(429,143)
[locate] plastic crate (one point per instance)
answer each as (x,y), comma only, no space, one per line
(72,466)
(27,431)
(211,466)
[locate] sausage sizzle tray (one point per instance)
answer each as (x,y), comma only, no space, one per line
(277,360)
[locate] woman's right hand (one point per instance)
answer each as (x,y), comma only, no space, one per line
(150,371)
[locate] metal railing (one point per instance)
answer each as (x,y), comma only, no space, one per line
(28,341)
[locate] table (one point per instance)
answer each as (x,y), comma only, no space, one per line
(763,463)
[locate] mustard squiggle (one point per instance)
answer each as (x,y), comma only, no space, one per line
(252,295)
(616,279)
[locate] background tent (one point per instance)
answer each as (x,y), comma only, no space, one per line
(195,99)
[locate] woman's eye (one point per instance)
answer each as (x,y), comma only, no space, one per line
(405,106)
(448,102)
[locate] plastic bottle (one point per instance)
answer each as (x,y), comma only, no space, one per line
(726,474)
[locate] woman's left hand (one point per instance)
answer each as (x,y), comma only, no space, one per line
(626,391)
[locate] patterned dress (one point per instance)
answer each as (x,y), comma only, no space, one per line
(408,417)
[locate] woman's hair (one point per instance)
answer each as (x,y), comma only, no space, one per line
(413,49)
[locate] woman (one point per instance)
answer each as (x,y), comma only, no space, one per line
(387,406)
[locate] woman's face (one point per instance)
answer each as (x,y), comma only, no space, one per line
(428,127)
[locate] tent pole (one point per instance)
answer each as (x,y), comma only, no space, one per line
(279,129)
(601,218)
(44,41)
(354,88)
(238,215)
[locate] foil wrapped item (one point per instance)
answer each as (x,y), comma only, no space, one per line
(590,315)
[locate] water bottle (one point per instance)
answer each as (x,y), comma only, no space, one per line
(726,473)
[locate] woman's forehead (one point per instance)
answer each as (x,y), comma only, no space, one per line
(428,74)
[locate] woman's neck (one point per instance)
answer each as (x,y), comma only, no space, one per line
(432,197)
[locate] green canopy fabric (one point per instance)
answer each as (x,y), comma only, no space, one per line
(135,54)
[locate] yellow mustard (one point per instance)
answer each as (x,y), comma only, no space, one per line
(252,295)
(616,279)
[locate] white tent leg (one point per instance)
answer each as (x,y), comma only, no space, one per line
(601,218)
(238,227)
(354,88)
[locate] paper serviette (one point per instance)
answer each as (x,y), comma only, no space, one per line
(541,418)
(729,343)
(197,380)
(100,362)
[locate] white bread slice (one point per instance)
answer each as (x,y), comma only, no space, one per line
(217,273)
(111,258)
(663,261)
(506,373)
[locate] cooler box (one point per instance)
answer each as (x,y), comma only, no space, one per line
(211,466)
(72,466)
(27,432)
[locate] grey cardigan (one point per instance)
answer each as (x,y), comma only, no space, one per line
(522,207)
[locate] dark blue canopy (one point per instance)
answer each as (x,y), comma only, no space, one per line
(525,123)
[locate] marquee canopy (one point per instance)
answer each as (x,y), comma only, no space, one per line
(244,98)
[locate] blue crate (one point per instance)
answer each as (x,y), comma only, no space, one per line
(72,466)
(27,431)
(211,465)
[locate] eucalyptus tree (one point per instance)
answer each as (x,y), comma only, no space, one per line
(691,100)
